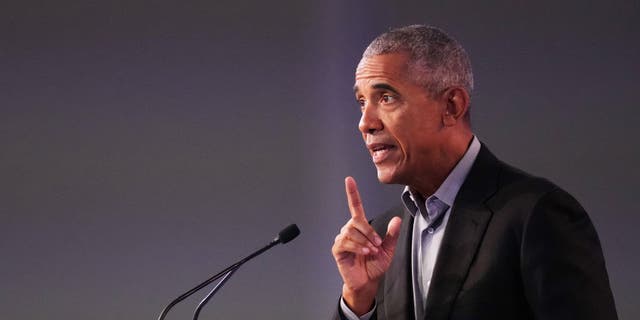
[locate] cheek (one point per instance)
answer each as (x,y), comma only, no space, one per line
(401,130)
(413,136)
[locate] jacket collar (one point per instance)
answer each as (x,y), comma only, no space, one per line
(466,227)
(467,223)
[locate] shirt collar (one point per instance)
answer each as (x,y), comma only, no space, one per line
(448,190)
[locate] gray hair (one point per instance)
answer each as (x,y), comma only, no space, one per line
(437,61)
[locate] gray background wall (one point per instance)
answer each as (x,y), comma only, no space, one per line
(146,145)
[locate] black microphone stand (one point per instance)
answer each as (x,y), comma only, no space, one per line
(206,299)
(286,235)
(195,289)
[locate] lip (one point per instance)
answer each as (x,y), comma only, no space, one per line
(380,151)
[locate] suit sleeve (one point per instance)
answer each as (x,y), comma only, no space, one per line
(339,313)
(562,264)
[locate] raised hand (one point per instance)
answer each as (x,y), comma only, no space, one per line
(361,255)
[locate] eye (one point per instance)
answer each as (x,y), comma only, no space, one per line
(387,98)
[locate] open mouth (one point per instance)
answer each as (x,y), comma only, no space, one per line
(380,152)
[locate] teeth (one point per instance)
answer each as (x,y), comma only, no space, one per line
(379,153)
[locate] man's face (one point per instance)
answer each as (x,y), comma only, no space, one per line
(401,124)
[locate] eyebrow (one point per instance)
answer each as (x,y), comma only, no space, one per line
(379,86)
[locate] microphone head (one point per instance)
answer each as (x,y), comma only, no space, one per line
(287,234)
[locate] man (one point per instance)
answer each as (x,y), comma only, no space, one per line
(476,238)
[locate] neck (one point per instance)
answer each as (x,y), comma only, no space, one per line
(448,158)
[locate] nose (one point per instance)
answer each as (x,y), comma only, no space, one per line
(370,122)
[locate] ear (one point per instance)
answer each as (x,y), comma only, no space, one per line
(456,101)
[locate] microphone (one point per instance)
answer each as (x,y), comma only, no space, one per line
(287,234)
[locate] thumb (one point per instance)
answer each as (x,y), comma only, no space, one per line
(391,239)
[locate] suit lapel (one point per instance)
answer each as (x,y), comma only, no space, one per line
(396,300)
(464,231)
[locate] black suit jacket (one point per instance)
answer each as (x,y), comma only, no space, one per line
(515,247)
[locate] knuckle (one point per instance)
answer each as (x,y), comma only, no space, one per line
(337,248)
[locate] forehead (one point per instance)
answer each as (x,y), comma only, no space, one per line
(386,68)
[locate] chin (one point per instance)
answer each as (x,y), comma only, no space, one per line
(386,176)
(394,174)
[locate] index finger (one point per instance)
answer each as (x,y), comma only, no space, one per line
(353,199)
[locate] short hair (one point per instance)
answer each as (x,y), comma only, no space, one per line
(436,60)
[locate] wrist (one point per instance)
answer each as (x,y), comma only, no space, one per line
(360,301)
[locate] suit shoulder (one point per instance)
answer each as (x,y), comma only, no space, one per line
(521,194)
(516,181)
(503,183)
